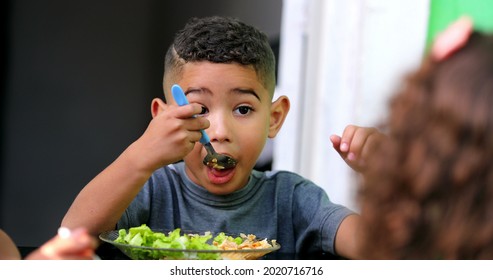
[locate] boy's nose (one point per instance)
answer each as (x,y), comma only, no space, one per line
(219,129)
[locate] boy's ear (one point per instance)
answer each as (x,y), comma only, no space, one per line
(157,106)
(278,112)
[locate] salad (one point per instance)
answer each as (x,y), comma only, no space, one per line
(144,243)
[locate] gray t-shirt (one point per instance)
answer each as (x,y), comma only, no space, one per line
(275,205)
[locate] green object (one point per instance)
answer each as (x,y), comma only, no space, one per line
(221,237)
(143,236)
(444,12)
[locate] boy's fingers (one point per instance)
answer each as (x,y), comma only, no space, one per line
(336,142)
(181,112)
(197,124)
(347,138)
(360,139)
(194,137)
(373,139)
(188,111)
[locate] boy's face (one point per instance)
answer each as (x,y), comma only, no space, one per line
(241,116)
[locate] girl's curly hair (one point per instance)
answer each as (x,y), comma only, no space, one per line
(428,190)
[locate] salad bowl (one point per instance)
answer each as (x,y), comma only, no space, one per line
(143,243)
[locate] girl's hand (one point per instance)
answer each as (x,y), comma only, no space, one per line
(66,245)
(354,144)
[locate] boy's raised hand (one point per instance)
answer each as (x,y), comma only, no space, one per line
(169,137)
(171,134)
(354,144)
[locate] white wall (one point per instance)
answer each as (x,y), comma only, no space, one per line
(339,62)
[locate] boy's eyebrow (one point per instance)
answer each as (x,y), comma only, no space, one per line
(235,90)
(246,91)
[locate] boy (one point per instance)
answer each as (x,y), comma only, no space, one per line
(227,71)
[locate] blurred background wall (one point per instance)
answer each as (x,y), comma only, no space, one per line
(339,62)
(78,79)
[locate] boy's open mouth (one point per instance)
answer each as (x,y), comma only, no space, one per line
(220,176)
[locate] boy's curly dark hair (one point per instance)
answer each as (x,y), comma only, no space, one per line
(428,191)
(222,40)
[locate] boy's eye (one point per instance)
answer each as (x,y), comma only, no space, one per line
(204,110)
(243,110)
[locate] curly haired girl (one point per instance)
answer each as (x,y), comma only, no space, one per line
(428,189)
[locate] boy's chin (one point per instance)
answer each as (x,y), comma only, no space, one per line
(220,190)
